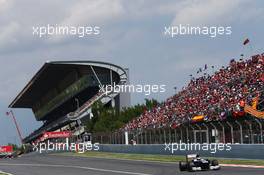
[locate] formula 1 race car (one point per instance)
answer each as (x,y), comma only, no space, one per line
(195,163)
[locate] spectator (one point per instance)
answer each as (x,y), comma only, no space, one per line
(212,96)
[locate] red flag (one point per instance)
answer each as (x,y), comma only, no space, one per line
(246,41)
(7,113)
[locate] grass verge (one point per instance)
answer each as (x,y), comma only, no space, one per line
(158,158)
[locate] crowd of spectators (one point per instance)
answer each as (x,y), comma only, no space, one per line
(212,96)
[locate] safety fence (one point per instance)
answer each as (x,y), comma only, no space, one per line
(243,131)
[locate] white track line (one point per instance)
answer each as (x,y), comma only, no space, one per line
(77,167)
(5,173)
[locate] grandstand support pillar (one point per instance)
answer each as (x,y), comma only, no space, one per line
(223,130)
(194,136)
(157,136)
(101,138)
(181,135)
(207,133)
(170,135)
(123,138)
(232,131)
(200,132)
(241,132)
(216,131)
(154,137)
(160,139)
(150,138)
(260,129)
(141,137)
(146,136)
(130,136)
(251,132)
(164,135)
(119,140)
(175,135)
(137,137)
(187,133)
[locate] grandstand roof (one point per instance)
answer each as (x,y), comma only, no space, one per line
(49,74)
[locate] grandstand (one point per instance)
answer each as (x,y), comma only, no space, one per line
(61,94)
(226,107)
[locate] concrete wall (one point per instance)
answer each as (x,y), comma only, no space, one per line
(245,151)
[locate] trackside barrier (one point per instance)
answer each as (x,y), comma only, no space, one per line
(243,151)
(237,151)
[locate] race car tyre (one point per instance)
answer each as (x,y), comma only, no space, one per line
(215,163)
(190,166)
(182,166)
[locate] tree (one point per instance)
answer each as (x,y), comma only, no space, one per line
(107,119)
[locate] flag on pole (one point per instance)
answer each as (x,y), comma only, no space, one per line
(205,66)
(246,41)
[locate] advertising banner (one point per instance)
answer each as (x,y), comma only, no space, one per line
(6,149)
(63,134)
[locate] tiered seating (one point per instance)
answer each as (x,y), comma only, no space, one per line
(214,97)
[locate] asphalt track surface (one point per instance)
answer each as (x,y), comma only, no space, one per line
(68,165)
